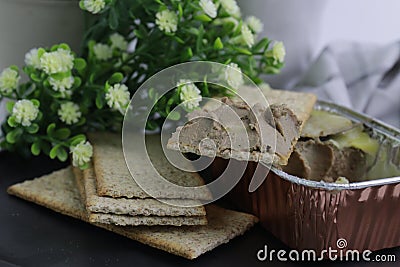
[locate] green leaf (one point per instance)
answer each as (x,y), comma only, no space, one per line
(180,10)
(12,136)
(194,31)
(82,5)
(35,78)
(64,46)
(179,40)
(10,106)
(116,78)
(203,17)
(53,152)
(33,128)
(77,82)
(79,64)
(77,139)
(11,121)
(218,45)
(14,67)
(261,45)
(62,154)
(107,86)
(84,166)
(243,50)
(81,121)
(35,148)
(151,93)
(151,125)
(50,129)
(99,100)
(61,75)
(35,102)
(174,115)
(62,133)
(41,51)
(138,34)
(113,19)
(39,116)
(189,52)
(170,102)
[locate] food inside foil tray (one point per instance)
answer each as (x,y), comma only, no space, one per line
(332,148)
(300,136)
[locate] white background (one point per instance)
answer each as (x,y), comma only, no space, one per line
(376,21)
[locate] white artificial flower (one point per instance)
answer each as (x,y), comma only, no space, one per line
(9,79)
(32,59)
(279,52)
(69,113)
(58,61)
(190,95)
(118,97)
(94,6)
(247,36)
(167,21)
(102,51)
(209,8)
(118,41)
(81,153)
(231,7)
(24,112)
(234,76)
(255,24)
(61,85)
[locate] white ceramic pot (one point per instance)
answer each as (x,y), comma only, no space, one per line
(25,24)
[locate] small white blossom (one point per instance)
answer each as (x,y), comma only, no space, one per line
(209,8)
(94,6)
(61,85)
(255,24)
(118,97)
(24,112)
(9,79)
(190,95)
(234,76)
(69,113)
(167,21)
(231,7)
(58,61)
(102,51)
(279,52)
(81,153)
(118,41)
(247,36)
(32,59)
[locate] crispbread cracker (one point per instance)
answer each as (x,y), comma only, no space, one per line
(127,220)
(130,206)
(113,177)
(58,192)
(140,211)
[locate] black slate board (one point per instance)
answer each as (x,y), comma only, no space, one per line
(31,235)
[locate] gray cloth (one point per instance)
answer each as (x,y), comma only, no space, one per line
(363,77)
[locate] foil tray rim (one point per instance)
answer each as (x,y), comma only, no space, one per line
(375,124)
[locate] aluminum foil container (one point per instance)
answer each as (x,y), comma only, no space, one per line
(307,214)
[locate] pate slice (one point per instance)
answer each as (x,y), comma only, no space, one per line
(264,134)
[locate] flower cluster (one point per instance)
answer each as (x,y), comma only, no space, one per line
(167,32)
(63,98)
(125,44)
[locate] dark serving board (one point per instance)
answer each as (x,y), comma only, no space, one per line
(31,235)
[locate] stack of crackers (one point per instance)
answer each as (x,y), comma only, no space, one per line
(107,196)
